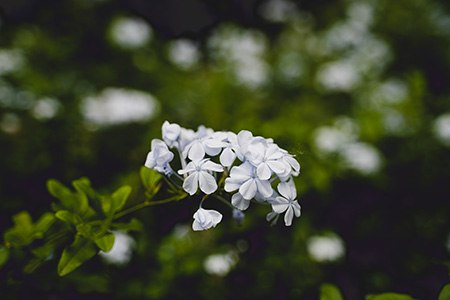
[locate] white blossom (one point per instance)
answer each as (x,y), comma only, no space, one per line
(196,149)
(199,174)
(287,202)
(205,219)
(266,158)
(159,157)
(170,133)
(244,179)
(249,166)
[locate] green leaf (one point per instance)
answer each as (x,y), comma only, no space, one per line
(106,242)
(74,202)
(44,223)
(119,198)
(75,255)
(84,192)
(83,185)
(133,225)
(329,292)
(150,179)
(22,232)
(106,202)
(68,217)
(4,255)
(87,230)
(389,296)
(445,292)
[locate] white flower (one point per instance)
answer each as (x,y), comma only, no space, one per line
(196,149)
(205,219)
(286,202)
(266,158)
(159,157)
(325,248)
(200,175)
(121,251)
(292,166)
(228,155)
(170,133)
(244,179)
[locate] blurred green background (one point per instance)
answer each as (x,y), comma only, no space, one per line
(358,90)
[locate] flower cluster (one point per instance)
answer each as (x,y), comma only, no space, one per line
(243,166)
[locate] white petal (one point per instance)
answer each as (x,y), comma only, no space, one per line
(207,183)
(196,151)
(212,166)
(215,216)
(215,143)
(239,202)
(248,189)
(280,205)
(190,167)
(263,171)
(273,152)
(242,172)
(270,216)
(296,208)
(150,161)
(227,157)
(190,184)
(264,188)
(288,216)
(276,166)
(287,190)
(231,185)
(212,151)
(197,226)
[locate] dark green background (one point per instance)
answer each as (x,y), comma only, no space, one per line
(394,222)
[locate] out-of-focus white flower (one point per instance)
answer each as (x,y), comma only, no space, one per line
(361,157)
(130,32)
(220,264)
(338,76)
(243,51)
(199,174)
(159,157)
(118,106)
(278,10)
(441,129)
(286,203)
(325,248)
(245,179)
(330,139)
(121,251)
(205,219)
(11,60)
(184,53)
(45,108)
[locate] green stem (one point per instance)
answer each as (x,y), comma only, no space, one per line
(224,201)
(143,205)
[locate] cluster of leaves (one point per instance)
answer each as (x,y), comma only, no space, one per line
(83,222)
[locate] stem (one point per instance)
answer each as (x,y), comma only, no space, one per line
(224,201)
(143,205)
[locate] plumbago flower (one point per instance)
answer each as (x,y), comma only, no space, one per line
(236,169)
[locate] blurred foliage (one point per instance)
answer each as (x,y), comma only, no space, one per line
(358,90)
